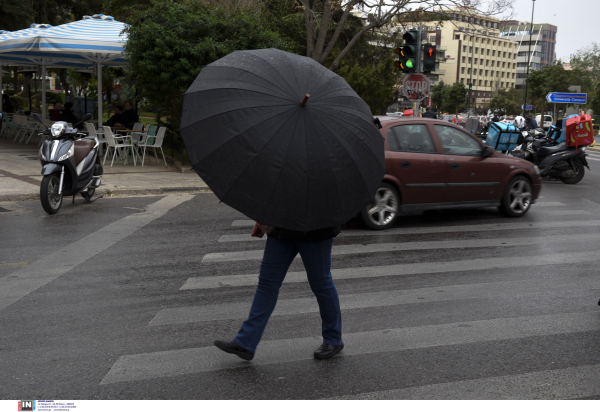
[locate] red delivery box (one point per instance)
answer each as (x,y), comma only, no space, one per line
(579,130)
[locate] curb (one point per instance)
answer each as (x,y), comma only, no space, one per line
(117,193)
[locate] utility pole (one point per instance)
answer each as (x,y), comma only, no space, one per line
(471,77)
(528,60)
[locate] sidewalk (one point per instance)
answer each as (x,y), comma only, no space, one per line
(20,175)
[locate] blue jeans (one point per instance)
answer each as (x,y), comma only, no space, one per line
(278,257)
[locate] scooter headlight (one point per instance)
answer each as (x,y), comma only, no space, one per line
(68,154)
(57,129)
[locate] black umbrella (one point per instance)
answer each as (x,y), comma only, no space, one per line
(276,155)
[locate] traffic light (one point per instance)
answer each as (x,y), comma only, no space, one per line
(428,58)
(409,53)
(470,86)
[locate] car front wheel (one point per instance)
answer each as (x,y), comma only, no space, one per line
(517,197)
(383,210)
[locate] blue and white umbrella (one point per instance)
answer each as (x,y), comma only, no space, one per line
(91,42)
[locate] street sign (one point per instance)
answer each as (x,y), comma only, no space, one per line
(527,107)
(415,87)
(579,98)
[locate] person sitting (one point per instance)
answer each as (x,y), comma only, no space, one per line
(7,106)
(129,117)
(115,118)
(54,113)
(531,123)
(68,116)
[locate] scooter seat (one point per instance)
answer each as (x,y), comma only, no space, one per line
(547,150)
(82,148)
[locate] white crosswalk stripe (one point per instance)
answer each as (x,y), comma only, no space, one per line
(205,359)
(539,245)
(451,228)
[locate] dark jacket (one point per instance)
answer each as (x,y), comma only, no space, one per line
(69,117)
(129,117)
(54,114)
(430,115)
(312,236)
(115,118)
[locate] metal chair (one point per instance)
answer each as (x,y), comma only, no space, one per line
(111,140)
(154,142)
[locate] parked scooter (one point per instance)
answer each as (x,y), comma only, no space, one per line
(554,161)
(70,164)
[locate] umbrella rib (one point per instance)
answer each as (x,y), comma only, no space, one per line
(253,160)
(334,133)
(290,87)
(277,88)
(230,111)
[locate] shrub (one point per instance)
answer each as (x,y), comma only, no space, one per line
(18,102)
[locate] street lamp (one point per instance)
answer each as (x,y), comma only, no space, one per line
(28,73)
(528,59)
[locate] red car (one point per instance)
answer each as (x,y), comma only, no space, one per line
(432,164)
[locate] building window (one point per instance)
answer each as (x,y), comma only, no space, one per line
(492,73)
(462,80)
(493,52)
(464,49)
(485,83)
(469,60)
(502,85)
(509,55)
(463,59)
(481,61)
(513,65)
(480,82)
(481,72)
(470,49)
(504,54)
(457,37)
(476,50)
(462,70)
(468,71)
(513,75)
(494,43)
(486,73)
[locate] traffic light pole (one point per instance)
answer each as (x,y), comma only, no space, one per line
(419,63)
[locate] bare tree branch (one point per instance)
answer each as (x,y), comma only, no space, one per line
(318,51)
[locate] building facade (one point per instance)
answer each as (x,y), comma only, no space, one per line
(471,51)
(536,45)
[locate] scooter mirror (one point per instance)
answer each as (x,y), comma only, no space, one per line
(85,118)
(37,118)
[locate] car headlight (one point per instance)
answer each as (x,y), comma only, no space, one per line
(68,154)
(41,153)
(57,129)
(537,170)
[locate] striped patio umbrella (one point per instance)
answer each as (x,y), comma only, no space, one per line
(91,42)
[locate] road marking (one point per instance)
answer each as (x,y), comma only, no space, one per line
(240,310)
(442,229)
(548,204)
(567,383)
(402,269)
(593,158)
(566,212)
(403,246)
(13,265)
(243,223)
(204,359)
(44,270)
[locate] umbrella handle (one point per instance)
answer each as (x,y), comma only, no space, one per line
(303,102)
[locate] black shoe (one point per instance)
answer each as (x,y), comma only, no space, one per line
(232,347)
(327,351)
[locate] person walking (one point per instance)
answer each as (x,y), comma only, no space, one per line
(428,113)
(282,247)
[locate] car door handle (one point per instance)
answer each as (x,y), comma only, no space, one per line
(405,164)
(454,166)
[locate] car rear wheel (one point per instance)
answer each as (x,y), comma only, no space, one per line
(517,197)
(383,210)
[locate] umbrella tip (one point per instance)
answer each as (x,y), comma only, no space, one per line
(303,102)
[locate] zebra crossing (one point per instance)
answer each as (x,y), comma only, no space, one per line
(471,286)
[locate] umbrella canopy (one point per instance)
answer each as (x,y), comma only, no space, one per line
(282,163)
(94,40)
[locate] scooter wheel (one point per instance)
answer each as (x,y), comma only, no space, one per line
(579,173)
(51,200)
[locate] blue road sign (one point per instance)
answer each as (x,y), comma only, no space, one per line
(579,98)
(527,107)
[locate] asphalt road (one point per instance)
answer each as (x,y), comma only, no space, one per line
(122,299)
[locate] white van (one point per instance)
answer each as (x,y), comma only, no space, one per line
(547,121)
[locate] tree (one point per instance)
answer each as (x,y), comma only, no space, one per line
(323,30)
(587,60)
(170,42)
(595,102)
(437,95)
(15,15)
(454,96)
(506,102)
(549,79)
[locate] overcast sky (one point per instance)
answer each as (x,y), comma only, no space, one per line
(578,22)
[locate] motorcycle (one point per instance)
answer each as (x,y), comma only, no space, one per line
(70,164)
(556,161)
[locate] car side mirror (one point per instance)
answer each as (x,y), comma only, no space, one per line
(487,151)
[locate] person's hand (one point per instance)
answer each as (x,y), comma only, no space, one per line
(265,228)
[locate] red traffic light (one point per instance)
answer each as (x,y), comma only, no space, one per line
(429,51)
